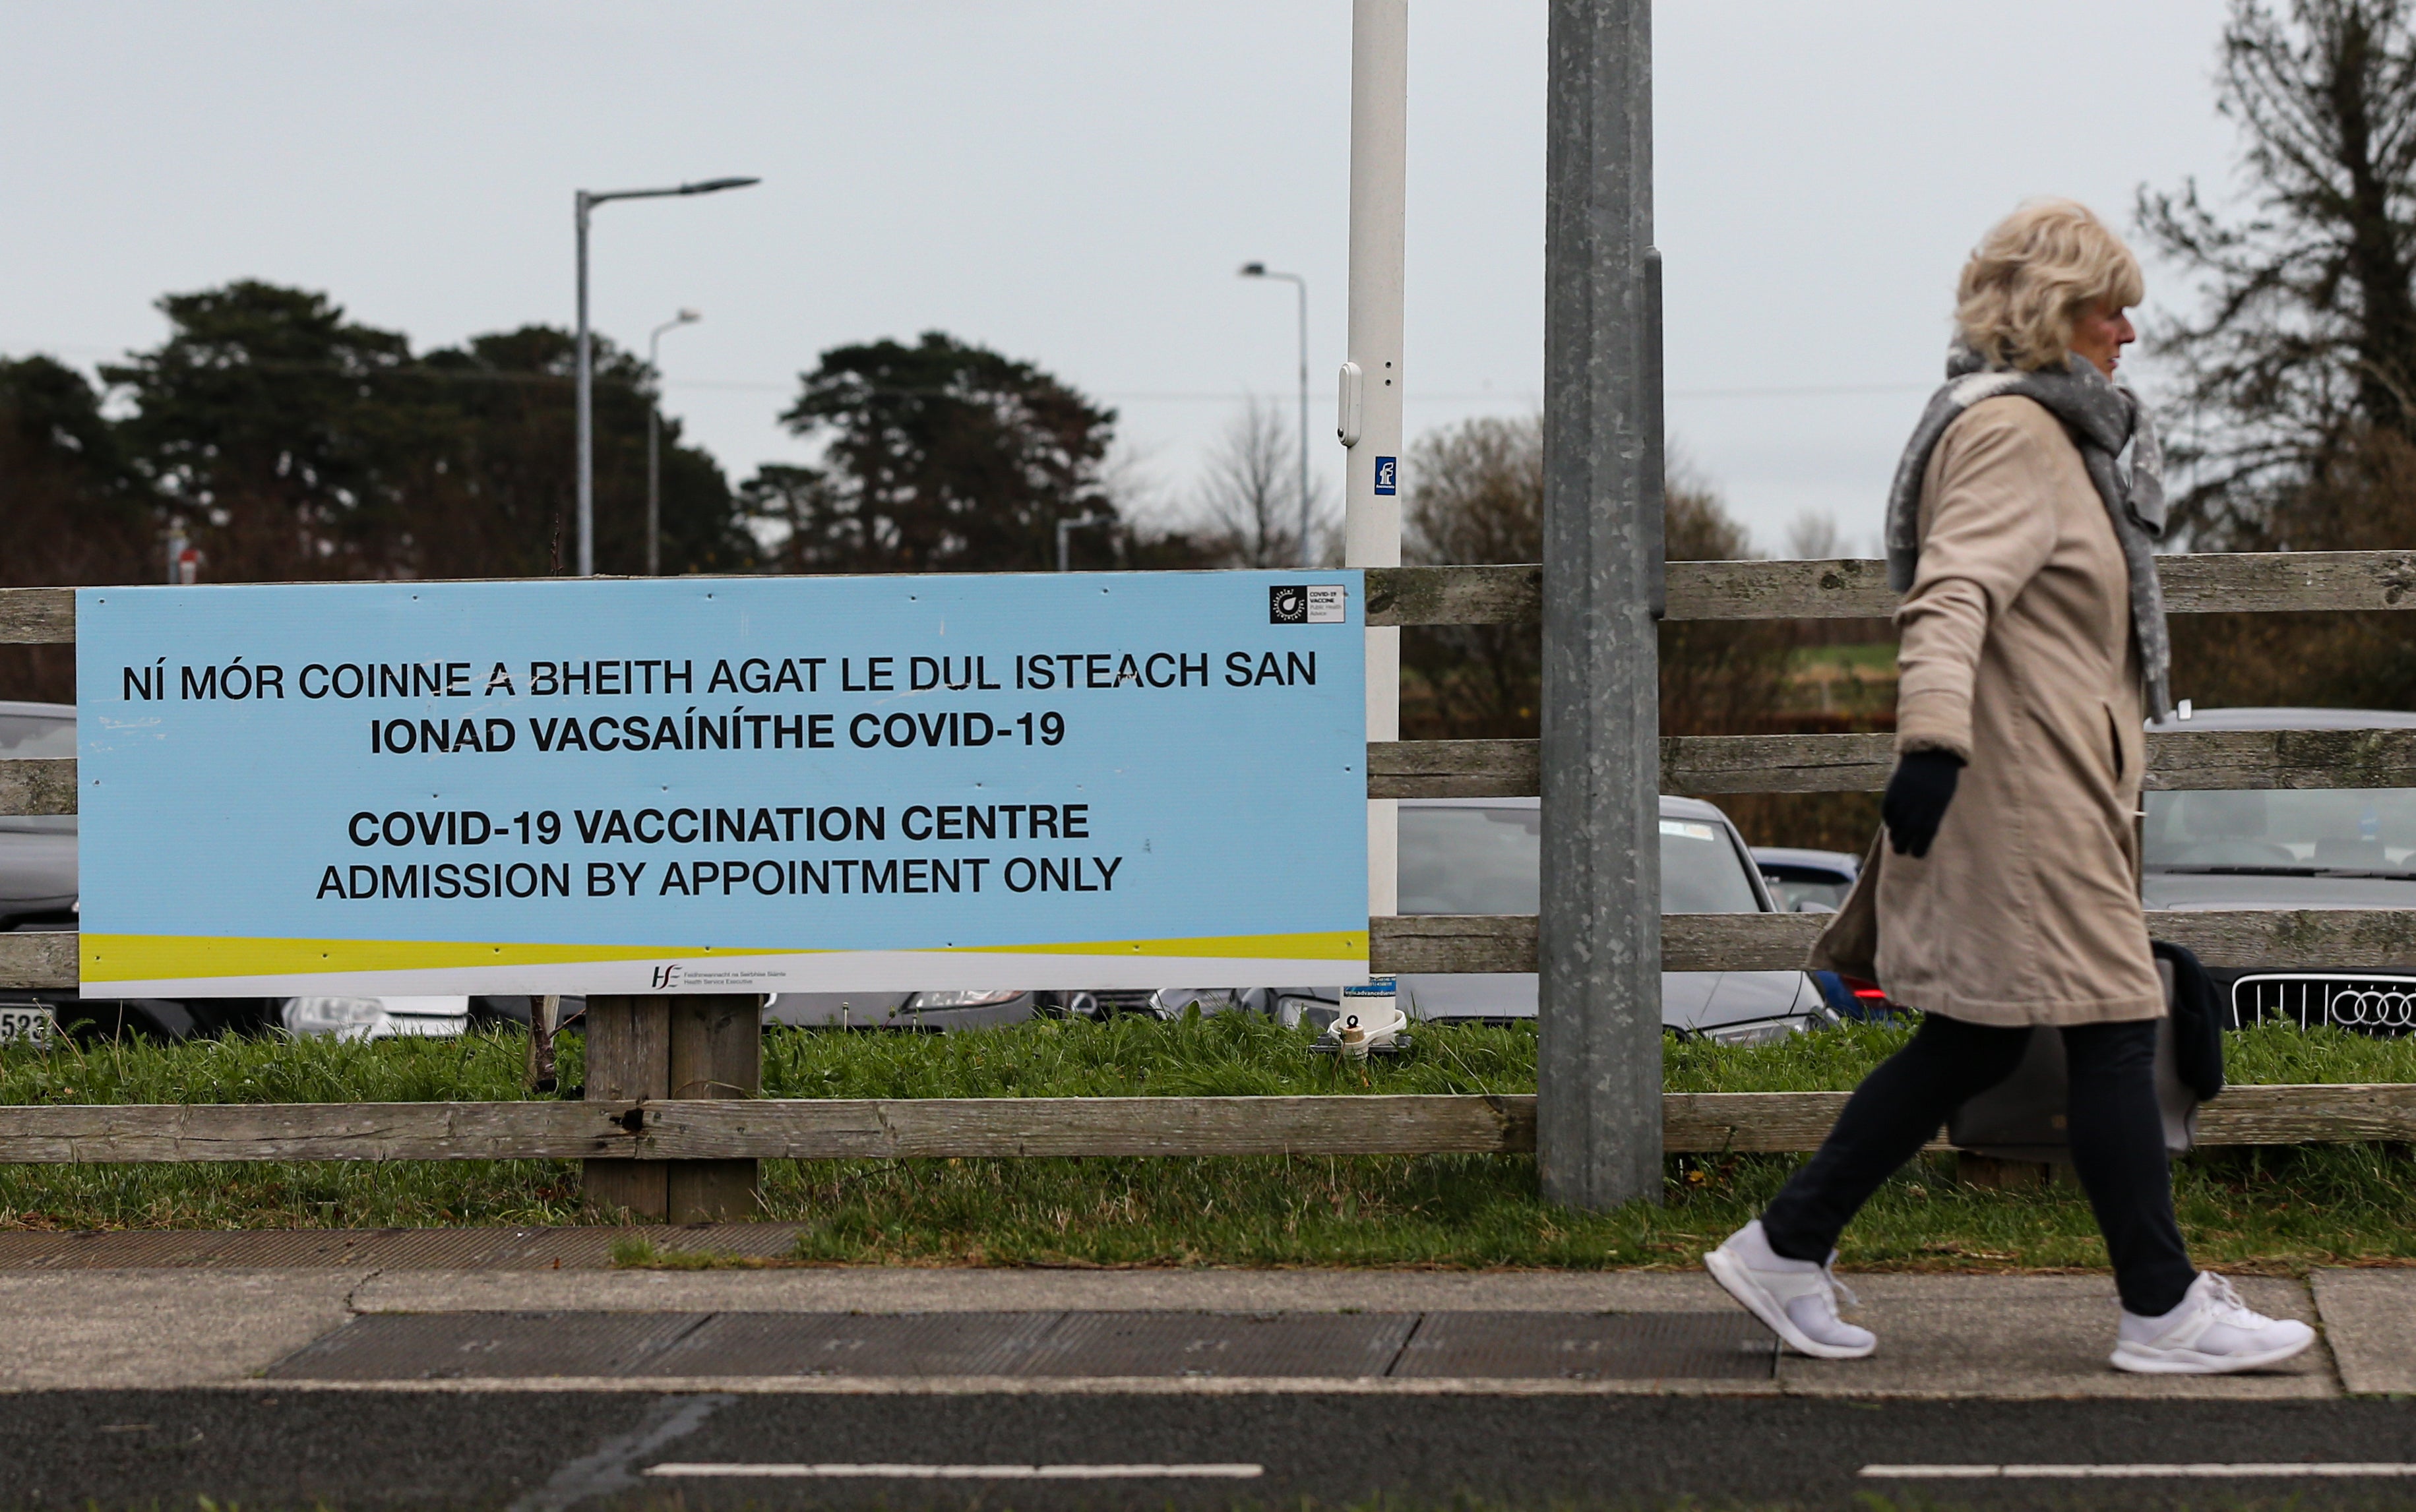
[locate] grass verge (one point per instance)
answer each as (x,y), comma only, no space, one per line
(2245,1211)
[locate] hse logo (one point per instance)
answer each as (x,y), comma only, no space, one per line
(664,977)
(1306,604)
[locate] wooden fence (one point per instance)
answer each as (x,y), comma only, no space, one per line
(631,1140)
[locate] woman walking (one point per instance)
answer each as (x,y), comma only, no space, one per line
(2020,530)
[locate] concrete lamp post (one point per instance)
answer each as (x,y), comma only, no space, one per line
(1065,529)
(1260,269)
(583,202)
(654,442)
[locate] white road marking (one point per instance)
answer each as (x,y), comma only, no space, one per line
(2210,1471)
(837,1472)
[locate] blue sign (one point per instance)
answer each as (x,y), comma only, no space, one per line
(734,785)
(1388,475)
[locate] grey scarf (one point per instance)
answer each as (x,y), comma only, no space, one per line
(2116,441)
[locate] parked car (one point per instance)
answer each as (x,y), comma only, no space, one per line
(1816,882)
(41,1012)
(1806,881)
(1457,856)
(926,1012)
(37,851)
(2321,847)
(938,1013)
(375,1018)
(38,891)
(1484,856)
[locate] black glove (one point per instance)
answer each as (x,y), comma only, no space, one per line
(1917,796)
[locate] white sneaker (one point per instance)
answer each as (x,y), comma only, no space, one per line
(1797,1298)
(2212,1333)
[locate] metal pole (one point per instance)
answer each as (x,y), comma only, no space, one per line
(1307,549)
(1598,1132)
(586,410)
(1371,515)
(1260,269)
(586,200)
(654,443)
(1065,529)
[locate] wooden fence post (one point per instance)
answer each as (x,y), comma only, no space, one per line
(628,1058)
(717,1051)
(705,1046)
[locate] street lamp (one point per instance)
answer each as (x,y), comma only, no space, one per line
(654,442)
(1258,270)
(585,200)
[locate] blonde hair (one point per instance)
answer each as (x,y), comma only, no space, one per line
(2033,274)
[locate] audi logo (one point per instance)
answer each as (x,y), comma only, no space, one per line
(2370,1005)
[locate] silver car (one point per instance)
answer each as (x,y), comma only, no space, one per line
(1484,856)
(37,851)
(939,1012)
(2305,847)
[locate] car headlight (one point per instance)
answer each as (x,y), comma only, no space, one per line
(965,997)
(1762,1032)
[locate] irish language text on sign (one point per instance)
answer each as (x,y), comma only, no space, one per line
(1128,780)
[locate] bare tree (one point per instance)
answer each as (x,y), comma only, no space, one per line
(2308,339)
(1250,495)
(1477,496)
(1813,536)
(1476,493)
(2301,362)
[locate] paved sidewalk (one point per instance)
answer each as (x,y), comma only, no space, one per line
(202,1320)
(583,1247)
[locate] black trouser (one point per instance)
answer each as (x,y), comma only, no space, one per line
(2117,1144)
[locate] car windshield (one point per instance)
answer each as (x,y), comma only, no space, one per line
(1794,887)
(2308,832)
(1487,860)
(33,735)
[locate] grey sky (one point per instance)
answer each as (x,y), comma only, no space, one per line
(1075,184)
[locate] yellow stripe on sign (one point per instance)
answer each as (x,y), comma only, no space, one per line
(151,957)
(1259,947)
(158,957)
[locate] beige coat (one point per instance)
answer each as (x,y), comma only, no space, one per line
(2016,655)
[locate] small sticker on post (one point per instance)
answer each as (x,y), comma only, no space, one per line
(1388,475)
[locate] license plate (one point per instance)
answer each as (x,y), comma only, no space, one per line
(28,1025)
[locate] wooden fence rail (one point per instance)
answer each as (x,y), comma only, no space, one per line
(938,1128)
(1846,589)
(1712,764)
(2343,939)
(1850,588)
(2331,939)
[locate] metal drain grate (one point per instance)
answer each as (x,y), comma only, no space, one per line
(847,1343)
(485,1346)
(1221,1343)
(1634,1346)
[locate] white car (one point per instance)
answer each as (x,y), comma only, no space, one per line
(37,851)
(1484,856)
(376,1018)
